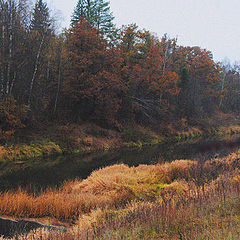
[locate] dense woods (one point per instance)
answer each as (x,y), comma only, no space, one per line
(95,72)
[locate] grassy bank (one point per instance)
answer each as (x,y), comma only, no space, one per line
(35,149)
(179,200)
(73,138)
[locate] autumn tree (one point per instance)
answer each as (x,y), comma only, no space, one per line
(136,76)
(92,85)
(12,118)
(147,74)
(203,79)
(128,39)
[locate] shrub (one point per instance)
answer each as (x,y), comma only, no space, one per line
(136,134)
(12,117)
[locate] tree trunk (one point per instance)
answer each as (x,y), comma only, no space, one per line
(58,88)
(35,71)
(10,49)
(2,67)
(13,81)
(165,58)
(222,87)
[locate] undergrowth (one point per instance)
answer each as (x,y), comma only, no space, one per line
(73,138)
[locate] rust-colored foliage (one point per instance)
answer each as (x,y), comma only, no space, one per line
(150,78)
(11,117)
(201,91)
(92,71)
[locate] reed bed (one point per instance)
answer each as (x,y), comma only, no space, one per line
(179,200)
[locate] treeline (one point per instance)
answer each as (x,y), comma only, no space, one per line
(96,72)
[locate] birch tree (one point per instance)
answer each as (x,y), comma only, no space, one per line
(13,31)
(41,33)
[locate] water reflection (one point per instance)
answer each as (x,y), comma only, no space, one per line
(53,171)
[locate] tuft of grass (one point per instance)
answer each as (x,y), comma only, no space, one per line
(27,151)
(138,136)
(203,218)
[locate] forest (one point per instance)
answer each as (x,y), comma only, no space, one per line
(95,72)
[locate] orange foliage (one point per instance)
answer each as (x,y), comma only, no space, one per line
(151,80)
(11,117)
(92,70)
(201,66)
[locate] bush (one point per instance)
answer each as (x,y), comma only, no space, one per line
(12,117)
(137,134)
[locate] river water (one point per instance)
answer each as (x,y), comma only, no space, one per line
(38,174)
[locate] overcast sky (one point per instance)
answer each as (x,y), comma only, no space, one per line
(210,24)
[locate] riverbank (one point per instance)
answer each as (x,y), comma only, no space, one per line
(86,137)
(195,199)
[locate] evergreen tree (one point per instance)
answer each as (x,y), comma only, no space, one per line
(41,20)
(97,13)
(103,16)
(81,10)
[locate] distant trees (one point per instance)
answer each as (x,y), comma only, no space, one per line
(230,87)
(82,74)
(156,77)
(148,75)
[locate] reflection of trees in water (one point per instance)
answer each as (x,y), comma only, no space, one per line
(49,172)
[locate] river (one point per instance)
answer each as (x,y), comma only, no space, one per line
(38,174)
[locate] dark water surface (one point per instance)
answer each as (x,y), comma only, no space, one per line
(41,173)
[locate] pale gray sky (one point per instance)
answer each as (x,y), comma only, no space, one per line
(210,24)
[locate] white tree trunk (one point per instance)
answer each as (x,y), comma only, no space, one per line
(35,71)
(10,49)
(165,58)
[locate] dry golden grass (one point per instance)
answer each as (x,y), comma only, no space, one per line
(115,186)
(119,201)
(111,186)
(209,215)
